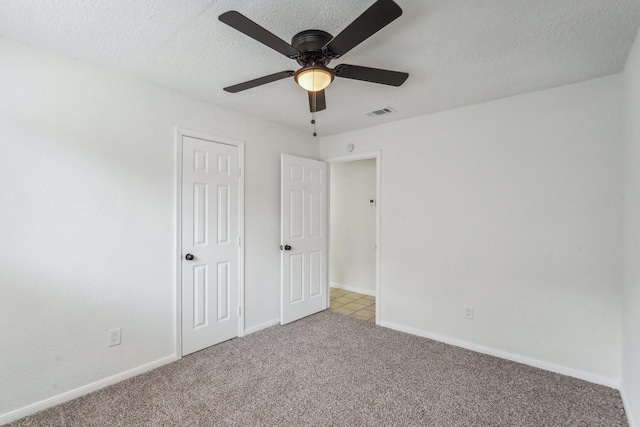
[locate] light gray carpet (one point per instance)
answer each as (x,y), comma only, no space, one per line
(329,369)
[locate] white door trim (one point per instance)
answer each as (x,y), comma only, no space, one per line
(377,155)
(180,132)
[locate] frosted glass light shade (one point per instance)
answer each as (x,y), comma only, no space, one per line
(314,79)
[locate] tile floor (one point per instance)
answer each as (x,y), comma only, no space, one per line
(353,304)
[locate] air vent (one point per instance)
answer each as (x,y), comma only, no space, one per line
(381,112)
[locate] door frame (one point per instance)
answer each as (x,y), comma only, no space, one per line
(377,155)
(180,132)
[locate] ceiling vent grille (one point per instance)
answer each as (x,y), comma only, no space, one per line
(381,112)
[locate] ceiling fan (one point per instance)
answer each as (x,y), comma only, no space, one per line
(314,49)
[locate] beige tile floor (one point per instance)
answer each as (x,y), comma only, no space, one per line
(353,304)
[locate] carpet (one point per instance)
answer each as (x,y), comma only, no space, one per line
(329,369)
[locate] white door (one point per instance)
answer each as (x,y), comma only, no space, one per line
(303,238)
(209,243)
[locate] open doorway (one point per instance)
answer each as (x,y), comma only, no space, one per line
(354,200)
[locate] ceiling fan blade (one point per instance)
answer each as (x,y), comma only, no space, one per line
(317,101)
(245,25)
(259,81)
(373,75)
(379,15)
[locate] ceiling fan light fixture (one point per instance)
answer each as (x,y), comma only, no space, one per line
(313,79)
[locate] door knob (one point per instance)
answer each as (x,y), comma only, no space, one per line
(285,247)
(189,257)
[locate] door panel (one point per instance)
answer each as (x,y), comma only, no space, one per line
(224,288)
(315,273)
(210,234)
(199,296)
(303,229)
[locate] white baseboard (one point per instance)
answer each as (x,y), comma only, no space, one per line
(261,326)
(81,391)
(353,289)
(627,408)
(547,366)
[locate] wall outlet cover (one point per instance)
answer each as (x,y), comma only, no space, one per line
(115,336)
(468,312)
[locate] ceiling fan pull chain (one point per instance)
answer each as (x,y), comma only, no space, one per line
(313,122)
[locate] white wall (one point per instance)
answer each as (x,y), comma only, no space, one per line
(512,207)
(87,220)
(353,226)
(631,293)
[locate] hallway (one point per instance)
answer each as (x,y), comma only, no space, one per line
(353,304)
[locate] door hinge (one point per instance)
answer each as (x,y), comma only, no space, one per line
(239,311)
(239,172)
(239,241)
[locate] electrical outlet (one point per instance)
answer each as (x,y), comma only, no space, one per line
(115,336)
(468,312)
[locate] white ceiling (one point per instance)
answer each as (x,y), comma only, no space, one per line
(457,52)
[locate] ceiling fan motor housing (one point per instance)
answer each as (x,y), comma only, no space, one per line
(310,44)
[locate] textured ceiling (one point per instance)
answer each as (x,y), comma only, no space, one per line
(457,52)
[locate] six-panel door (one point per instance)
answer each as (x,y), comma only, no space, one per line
(303,229)
(210,234)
